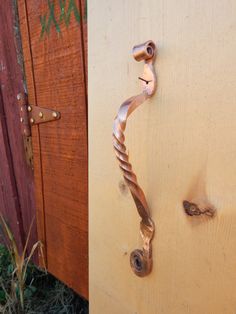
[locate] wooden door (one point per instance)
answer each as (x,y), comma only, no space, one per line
(16,178)
(182,146)
(54,46)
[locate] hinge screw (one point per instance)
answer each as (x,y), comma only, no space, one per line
(21,120)
(18,96)
(29,108)
(32,120)
(41,114)
(54,114)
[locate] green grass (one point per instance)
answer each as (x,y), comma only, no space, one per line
(43,293)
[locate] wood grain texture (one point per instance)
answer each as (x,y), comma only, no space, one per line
(12,83)
(9,201)
(84,16)
(28,65)
(181,144)
(55,76)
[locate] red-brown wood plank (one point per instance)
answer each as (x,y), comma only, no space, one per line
(55,72)
(9,201)
(28,66)
(12,83)
(84,17)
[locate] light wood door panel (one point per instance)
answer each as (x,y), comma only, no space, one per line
(182,146)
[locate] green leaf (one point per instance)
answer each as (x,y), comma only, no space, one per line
(2,296)
(10,269)
(17,291)
(33,288)
(29,291)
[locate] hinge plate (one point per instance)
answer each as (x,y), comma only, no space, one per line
(39,115)
(27,140)
(32,115)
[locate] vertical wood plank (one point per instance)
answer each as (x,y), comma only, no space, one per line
(12,83)
(54,60)
(28,66)
(84,17)
(9,200)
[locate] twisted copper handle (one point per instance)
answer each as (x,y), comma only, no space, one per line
(140,260)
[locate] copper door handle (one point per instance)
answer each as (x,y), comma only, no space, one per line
(140,260)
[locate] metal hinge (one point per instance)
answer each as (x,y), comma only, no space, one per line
(32,115)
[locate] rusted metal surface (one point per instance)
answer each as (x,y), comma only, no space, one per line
(140,260)
(31,114)
(22,102)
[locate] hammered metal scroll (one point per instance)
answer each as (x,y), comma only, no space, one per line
(140,259)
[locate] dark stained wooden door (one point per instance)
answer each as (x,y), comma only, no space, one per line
(9,201)
(16,177)
(54,47)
